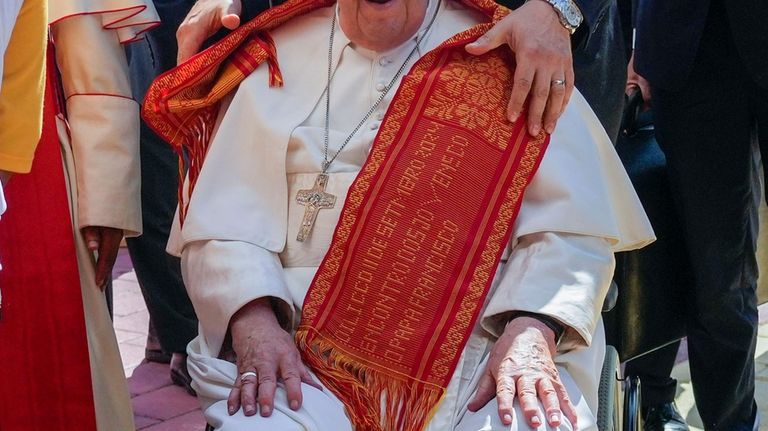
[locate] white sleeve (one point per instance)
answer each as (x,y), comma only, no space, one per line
(103,122)
(564,276)
(577,211)
(223,276)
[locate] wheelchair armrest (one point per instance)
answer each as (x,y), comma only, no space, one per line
(611,297)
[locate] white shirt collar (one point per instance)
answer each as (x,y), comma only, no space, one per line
(342,40)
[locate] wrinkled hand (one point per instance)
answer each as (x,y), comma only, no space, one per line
(105,241)
(542,48)
(263,347)
(521,365)
(204,19)
(636,81)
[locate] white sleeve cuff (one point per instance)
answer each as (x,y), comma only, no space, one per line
(223,276)
(563,276)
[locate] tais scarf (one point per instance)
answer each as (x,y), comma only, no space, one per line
(423,226)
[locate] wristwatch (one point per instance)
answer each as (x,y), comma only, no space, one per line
(568,12)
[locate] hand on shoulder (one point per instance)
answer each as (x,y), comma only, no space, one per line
(544,71)
(204,19)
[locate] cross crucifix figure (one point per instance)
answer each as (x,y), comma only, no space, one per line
(314,200)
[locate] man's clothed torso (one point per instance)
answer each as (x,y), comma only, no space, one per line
(238,240)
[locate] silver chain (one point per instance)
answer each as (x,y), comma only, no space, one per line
(372,109)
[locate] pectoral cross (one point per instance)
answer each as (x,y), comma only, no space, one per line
(314,199)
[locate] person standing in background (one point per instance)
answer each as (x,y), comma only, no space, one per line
(22,73)
(61,368)
(172,319)
(659,411)
(703,67)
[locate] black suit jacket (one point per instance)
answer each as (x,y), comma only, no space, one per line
(669,31)
(594,12)
(599,60)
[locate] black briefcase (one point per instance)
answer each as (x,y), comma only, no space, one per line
(652,282)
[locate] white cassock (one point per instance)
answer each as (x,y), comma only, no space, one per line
(238,240)
(100,147)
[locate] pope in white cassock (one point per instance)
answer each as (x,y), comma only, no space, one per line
(255,234)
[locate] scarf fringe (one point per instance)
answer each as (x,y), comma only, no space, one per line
(375,400)
(196,129)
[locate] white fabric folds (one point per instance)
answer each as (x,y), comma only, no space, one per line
(129,18)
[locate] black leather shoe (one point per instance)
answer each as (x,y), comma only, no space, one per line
(664,417)
(180,374)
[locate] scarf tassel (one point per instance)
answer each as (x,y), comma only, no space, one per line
(199,127)
(375,400)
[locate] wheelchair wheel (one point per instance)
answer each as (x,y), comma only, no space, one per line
(631,417)
(609,393)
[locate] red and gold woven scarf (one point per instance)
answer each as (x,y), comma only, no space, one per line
(423,226)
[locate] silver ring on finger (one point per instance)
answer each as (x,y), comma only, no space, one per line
(558,82)
(246,375)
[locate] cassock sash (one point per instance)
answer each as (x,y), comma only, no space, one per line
(423,226)
(45,373)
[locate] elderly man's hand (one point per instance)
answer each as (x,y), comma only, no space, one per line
(202,22)
(264,348)
(105,241)
(521,365)
(542,48)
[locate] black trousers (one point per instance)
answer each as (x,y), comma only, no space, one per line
(654,370)
(158,273)
(600,69)
(708,131)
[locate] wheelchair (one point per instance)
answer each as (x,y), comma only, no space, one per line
(618,396)
(619,407)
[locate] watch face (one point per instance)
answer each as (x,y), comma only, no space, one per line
(572,14)
(569,11)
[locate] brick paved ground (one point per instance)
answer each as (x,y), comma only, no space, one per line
(160,406)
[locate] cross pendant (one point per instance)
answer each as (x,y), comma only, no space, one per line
(314,199)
